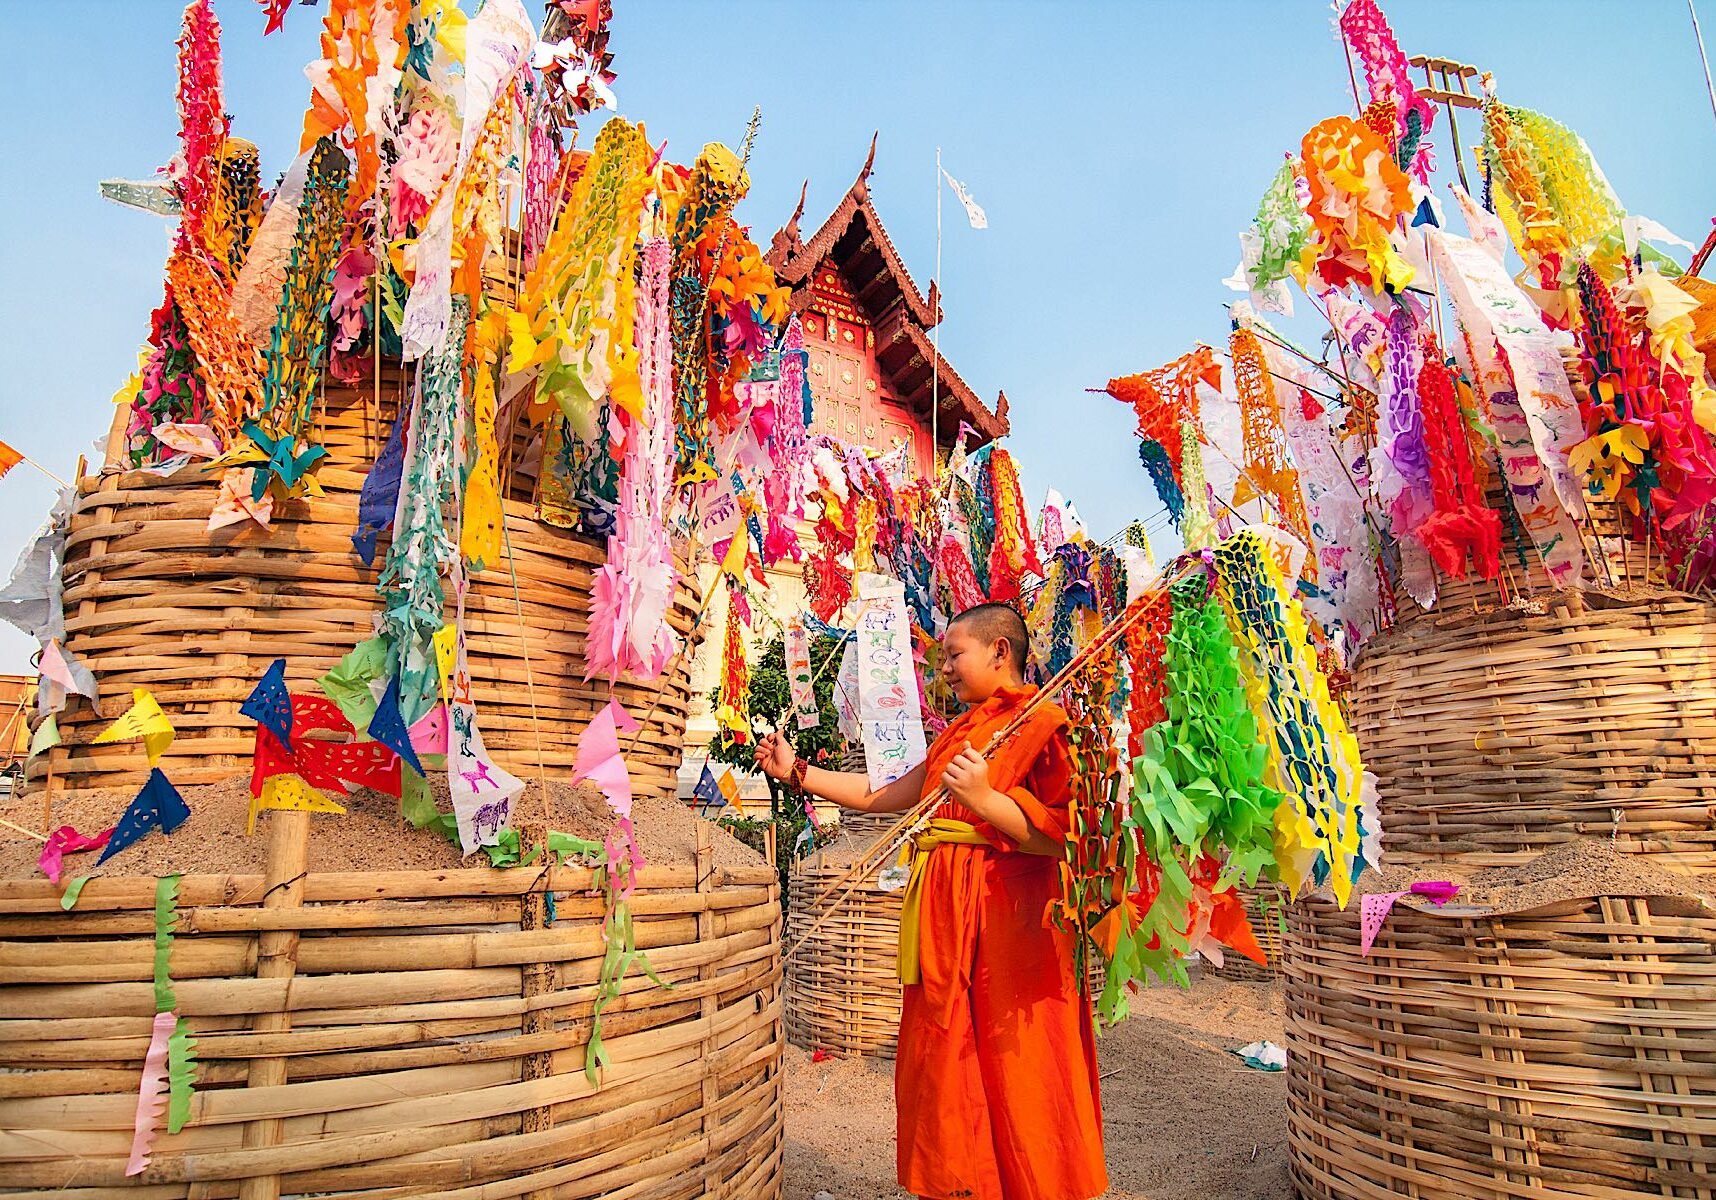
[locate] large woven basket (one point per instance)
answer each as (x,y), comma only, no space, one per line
(1565,1050)
(398,1034)
(1495,735)
(842,984)
(154,599)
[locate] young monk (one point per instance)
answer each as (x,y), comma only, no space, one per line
(995,1078)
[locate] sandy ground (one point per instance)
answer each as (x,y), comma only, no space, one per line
(1183,1118)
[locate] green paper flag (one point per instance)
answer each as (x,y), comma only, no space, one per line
(46,738)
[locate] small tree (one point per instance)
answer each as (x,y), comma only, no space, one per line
(770,700)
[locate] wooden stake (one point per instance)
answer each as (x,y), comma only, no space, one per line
(277,958)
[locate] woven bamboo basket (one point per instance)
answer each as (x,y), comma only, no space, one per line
(154,599)
(1567,1049)
(407,1033)
(1496,735)
(842,986)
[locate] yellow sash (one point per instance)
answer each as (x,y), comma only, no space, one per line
(941,832)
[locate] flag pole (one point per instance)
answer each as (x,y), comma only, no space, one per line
(935,367)
(1698,36)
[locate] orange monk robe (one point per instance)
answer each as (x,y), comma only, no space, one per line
(995,1079)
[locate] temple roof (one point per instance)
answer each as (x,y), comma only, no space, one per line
(854,238)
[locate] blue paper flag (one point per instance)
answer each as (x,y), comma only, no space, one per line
(158,805)
(1426,215)
(707,790)
(270,704)
(380,494)
(388,726)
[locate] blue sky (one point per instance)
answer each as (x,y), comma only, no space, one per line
(1117,147)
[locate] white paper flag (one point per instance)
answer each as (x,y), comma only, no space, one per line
(889,712)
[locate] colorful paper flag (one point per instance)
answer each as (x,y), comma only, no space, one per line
(974,215)
(600,761)
(9,458)
(65,675)
(707,790)
(387,726)
(157,806)
(1374,908)
(446,641)
(145,720)
(63,841)
(429,734)
(482,791)
(291,793)
(47,736)
(270,704)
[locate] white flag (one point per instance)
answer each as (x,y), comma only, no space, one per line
(978,218)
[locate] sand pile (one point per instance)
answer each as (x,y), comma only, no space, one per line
(371,836)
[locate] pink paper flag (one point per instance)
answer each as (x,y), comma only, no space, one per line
(429,734)
(151,1094)
(63,841)
(1437,891)
(1373,911)
(600,761)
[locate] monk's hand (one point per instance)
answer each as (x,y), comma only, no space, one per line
(967,778)
(774,756)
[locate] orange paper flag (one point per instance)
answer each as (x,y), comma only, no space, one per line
(9,458)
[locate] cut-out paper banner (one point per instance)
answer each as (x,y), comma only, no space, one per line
(334,766)
(1375,907)
(429,734)
(63,841)
(446,642)
(65,676)
(799,678)
(388,727)
(291,794)
(889,712)
(270,704)
(157,806)
(47,735)
(151,1094)
(482,791)
(730,789)
(600,761)
(145,720)
(707,790)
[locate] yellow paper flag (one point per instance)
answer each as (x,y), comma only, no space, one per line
(291,793)
(143,720)
(446,641)
(730,789)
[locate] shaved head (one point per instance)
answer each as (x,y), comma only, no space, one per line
(993,622)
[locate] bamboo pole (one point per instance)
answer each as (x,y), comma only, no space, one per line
(277,959)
